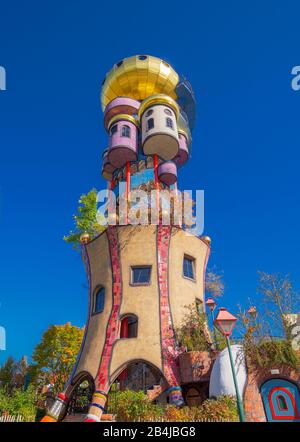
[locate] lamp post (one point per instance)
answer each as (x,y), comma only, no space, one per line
(225,323)
(211,304)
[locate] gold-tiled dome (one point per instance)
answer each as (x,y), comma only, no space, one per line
(139,77)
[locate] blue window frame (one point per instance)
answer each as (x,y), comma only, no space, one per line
(126,131)
(150,124)
(114,129)
(140,275)
(188,267)
(169,123)
(99,300)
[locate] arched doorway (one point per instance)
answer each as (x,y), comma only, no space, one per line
(81,396)
(281,400)
(138,376)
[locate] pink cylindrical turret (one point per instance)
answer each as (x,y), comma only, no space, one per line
(123,140)
(167,173)
(107,168)
(183,152)
(120,105)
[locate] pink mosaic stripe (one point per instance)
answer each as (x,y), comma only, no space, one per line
(170,367)
(112,331)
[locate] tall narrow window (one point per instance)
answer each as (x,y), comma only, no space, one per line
(125,131)
(188,267)
(169,123)
(99,300)
(150,124)
(281,402)
(140,275)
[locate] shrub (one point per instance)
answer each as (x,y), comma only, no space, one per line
(132,406)
(193,332)
(267,354)
(19,402)
(222,409)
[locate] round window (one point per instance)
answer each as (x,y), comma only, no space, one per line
(168,112)
(150,112)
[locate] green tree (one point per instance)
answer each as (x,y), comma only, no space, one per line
(85,219)
(55,356)
(7,374)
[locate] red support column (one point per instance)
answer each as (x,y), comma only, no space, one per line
(123,334)
(155,158)
(127,187)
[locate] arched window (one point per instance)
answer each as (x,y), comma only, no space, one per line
(125,131)
(129,326)
(169,123)
(99,300)
(150,124)
(281,402)
(114,129)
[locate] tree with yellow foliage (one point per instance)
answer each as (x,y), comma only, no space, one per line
(56,354)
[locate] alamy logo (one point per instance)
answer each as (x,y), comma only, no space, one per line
(296,80)
(2,79)
(2,338)
(142,208)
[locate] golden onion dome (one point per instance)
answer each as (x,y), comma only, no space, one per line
(124,117)
(159,99)
(138,77)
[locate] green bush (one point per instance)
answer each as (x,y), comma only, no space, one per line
(19,402)
(193,332)
(132,406)
(267,354)
(222,409)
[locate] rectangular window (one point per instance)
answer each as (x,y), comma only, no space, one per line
(140,275)
(99,301)
(188,267)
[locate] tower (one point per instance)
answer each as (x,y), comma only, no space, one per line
(141,276)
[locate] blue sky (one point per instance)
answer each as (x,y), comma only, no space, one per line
(238,57)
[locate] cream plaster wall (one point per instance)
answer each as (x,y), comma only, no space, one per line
(101,275)
(138,247)
(183,291)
